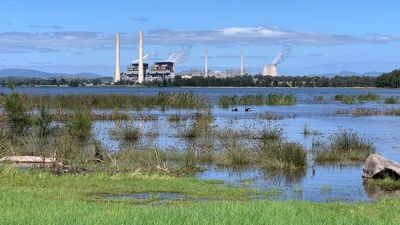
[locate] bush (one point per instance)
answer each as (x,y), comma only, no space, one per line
(80,126)
(17,117)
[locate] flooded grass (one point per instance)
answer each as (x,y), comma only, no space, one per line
(308,131)
(283,155)
(127,131)
(386,184)
(352,99)
(281,99)
(344,146)
(270,116)
(93,101)
(392,100)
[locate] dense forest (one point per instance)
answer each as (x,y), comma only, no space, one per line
(386,80)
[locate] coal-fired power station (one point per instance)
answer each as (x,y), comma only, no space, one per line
(138,71)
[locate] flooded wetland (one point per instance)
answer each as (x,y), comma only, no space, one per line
(283,143)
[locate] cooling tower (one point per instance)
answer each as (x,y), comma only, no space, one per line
(270,70)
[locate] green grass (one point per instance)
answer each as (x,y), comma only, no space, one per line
(281,99)
(71,199)
(344,146)
(160,101)
(392,100)
(352,99)
(283,155)
(386,184)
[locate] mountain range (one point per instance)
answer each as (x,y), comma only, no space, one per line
(45,75)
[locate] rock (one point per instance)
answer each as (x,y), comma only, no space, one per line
(27,159)
(377,166)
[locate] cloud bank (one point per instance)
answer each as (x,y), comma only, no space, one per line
(25,42)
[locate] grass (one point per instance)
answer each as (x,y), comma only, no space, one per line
(392,100)
(281,99)
(344,146)
(127,131)
(386,184)
(270,116)
(256,99)
(352,99)
(307,131)
(160,101)
(283,155)
(41,198)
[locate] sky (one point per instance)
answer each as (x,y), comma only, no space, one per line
(315,36)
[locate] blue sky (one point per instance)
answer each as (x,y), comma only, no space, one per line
(316,36)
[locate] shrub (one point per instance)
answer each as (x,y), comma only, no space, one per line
(17,117)
(80,126)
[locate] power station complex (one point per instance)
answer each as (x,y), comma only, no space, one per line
(138,71)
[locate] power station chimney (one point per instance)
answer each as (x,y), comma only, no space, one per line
(206,63)
(117,72)
(241,63)
(141,70)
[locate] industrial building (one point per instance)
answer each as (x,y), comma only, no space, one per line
(161,71)
(132,72)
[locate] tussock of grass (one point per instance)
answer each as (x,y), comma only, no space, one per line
(386,184)
(351,99)
(281,99)
(283,155)
(392,100)
(344,145)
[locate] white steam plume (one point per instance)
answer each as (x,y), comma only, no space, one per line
(281,56)
(179,56)
(151,55)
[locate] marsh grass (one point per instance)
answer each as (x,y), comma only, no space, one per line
(344,146)
(270,116)
(308,131)
(161,101)
(352,99)
(281,99)
(365,112)
(392,100)
(283,155)
(386,184)
(127,131)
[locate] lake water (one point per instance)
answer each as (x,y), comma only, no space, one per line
(324,183)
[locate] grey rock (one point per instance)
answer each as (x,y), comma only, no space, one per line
(376,166)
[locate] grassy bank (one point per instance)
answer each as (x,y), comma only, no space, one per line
(41,198)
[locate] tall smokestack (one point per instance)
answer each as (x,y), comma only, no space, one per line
(241,63)
(206,63)
(117,72)
(141,71)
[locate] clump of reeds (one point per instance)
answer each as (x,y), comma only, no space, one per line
(283,155)
(365,112)
(307,131)
(127,131)
(345,145)
(270,116)
(392,100)
(351,99)
(268,133)
(386,184)
(281,99)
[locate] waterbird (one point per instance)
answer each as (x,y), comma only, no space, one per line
(235,109)
(248,110)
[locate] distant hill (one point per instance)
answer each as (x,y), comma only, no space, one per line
(351,73)
(45,75)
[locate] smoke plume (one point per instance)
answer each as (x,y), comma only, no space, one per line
(179,56)
(151,55)
(281,56)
